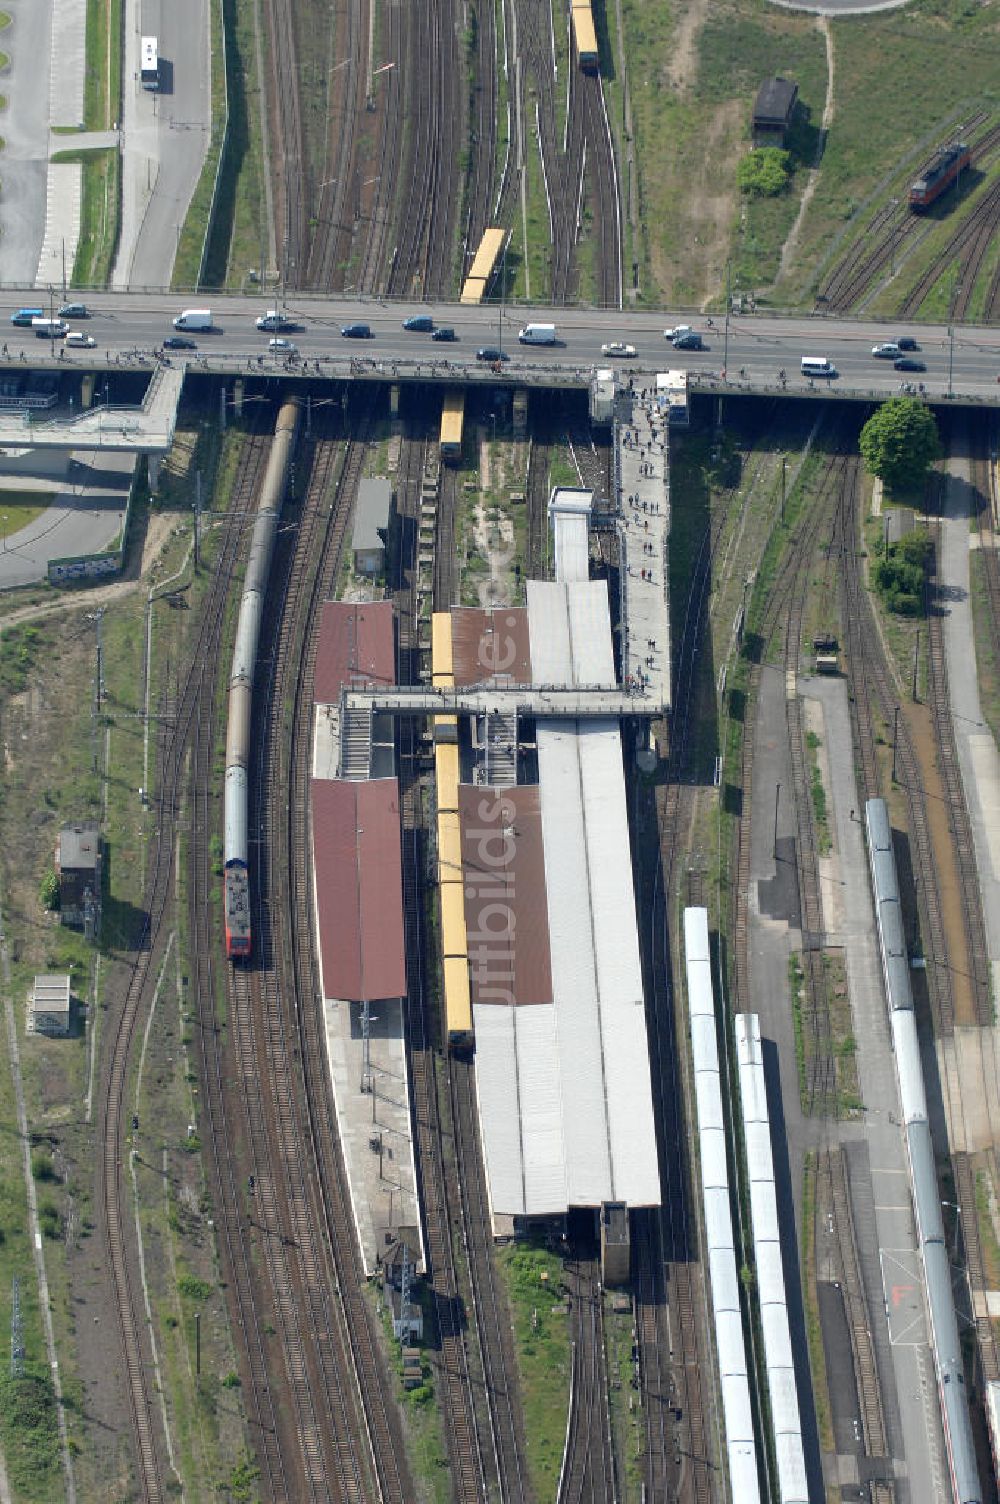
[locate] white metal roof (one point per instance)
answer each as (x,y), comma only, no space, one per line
(770,1274)
(725,1285)
(696,935)
(572,546)
(704,1044)
(565,1093)
(714,1175)
(743,1472)
(701,1000)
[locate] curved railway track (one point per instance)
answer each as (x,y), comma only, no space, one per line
(968,245)
(153,1468)
(890,234)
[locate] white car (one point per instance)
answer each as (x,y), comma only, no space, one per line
(75,339)
(887,351)
(677,331)
(617,348)
(282,346)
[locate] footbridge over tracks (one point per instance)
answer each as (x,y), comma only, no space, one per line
(524,700)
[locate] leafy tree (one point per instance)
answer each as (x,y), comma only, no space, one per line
(49,891)
(899,574)
(764,173)
(899,442)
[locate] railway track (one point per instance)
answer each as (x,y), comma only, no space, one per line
(968,245)
(153,1468)
(890,234)
(605,196)
(459,1372)
(588,1475)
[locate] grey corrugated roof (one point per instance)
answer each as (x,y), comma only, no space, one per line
(371,513)
(51,993)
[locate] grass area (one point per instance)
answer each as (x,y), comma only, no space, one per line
(99,213)
(103,82)
(203,242)
(242,202)
(814,1330)
(987,662)
(623,1395)
(18,508)
(692,83)
(945,63)
(843,1042)
(817,790)
(986,1217)
(528,268)
(425,1445)
(796,988)
(533,1277)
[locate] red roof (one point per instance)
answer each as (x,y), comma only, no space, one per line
(490,646)
(506,909)
(359,888)
(355,644)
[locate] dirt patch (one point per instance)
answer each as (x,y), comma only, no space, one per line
(705,211)
(791,243)
(681,70)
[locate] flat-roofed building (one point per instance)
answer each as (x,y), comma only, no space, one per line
(49,1007)
(371,526)
(78,864)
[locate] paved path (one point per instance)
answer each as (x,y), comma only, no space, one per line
(883,1218)
(85,516)
(26,137)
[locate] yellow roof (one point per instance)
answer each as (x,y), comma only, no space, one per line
(442,661)
(453,937)
(449,847)
(446,766)
(457,997)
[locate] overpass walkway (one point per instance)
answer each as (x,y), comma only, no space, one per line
(642,483)
(516,699)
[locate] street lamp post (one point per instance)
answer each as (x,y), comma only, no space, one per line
(729,300)
(951,357)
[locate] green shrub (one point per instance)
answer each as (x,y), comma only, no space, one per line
(194,1288)
(764,173)
(49,892)
(30,1432)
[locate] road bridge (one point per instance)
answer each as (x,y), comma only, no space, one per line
(748,353)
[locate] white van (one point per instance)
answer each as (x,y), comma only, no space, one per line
(817,365)
(537,334)
(194,318)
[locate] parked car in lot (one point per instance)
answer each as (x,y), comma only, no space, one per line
(281,346)
(74,311)
(420,323)
(76,340)
(616,347)
(887,351)
(907,363)
(356,331)
(491,353)
(445,334)
(179,342)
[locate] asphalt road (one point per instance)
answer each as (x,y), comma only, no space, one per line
(758,345)
(26,138)
(165,135)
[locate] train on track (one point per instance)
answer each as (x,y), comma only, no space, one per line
(925,1194)
(483,268)
(937,177)
(585,35)
(451,888)
(235,856)
(452,424)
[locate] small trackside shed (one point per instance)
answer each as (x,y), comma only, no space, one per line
(49,1009)
(773,110)
(371,526)
(78,863)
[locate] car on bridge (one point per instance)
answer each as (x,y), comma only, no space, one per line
(887,351)
(420,323)
(74,311)
(356,331)
(445,334)
(677,331)
(907,363)
(281,346)
(492,353)
(75,339)
(690,341)
(617,347)
(179,342)
(907,342)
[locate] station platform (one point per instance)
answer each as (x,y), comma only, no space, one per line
(374,1126)
(642,478)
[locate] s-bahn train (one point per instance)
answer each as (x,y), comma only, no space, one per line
(945,1345)
(937,177)
(237,878)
